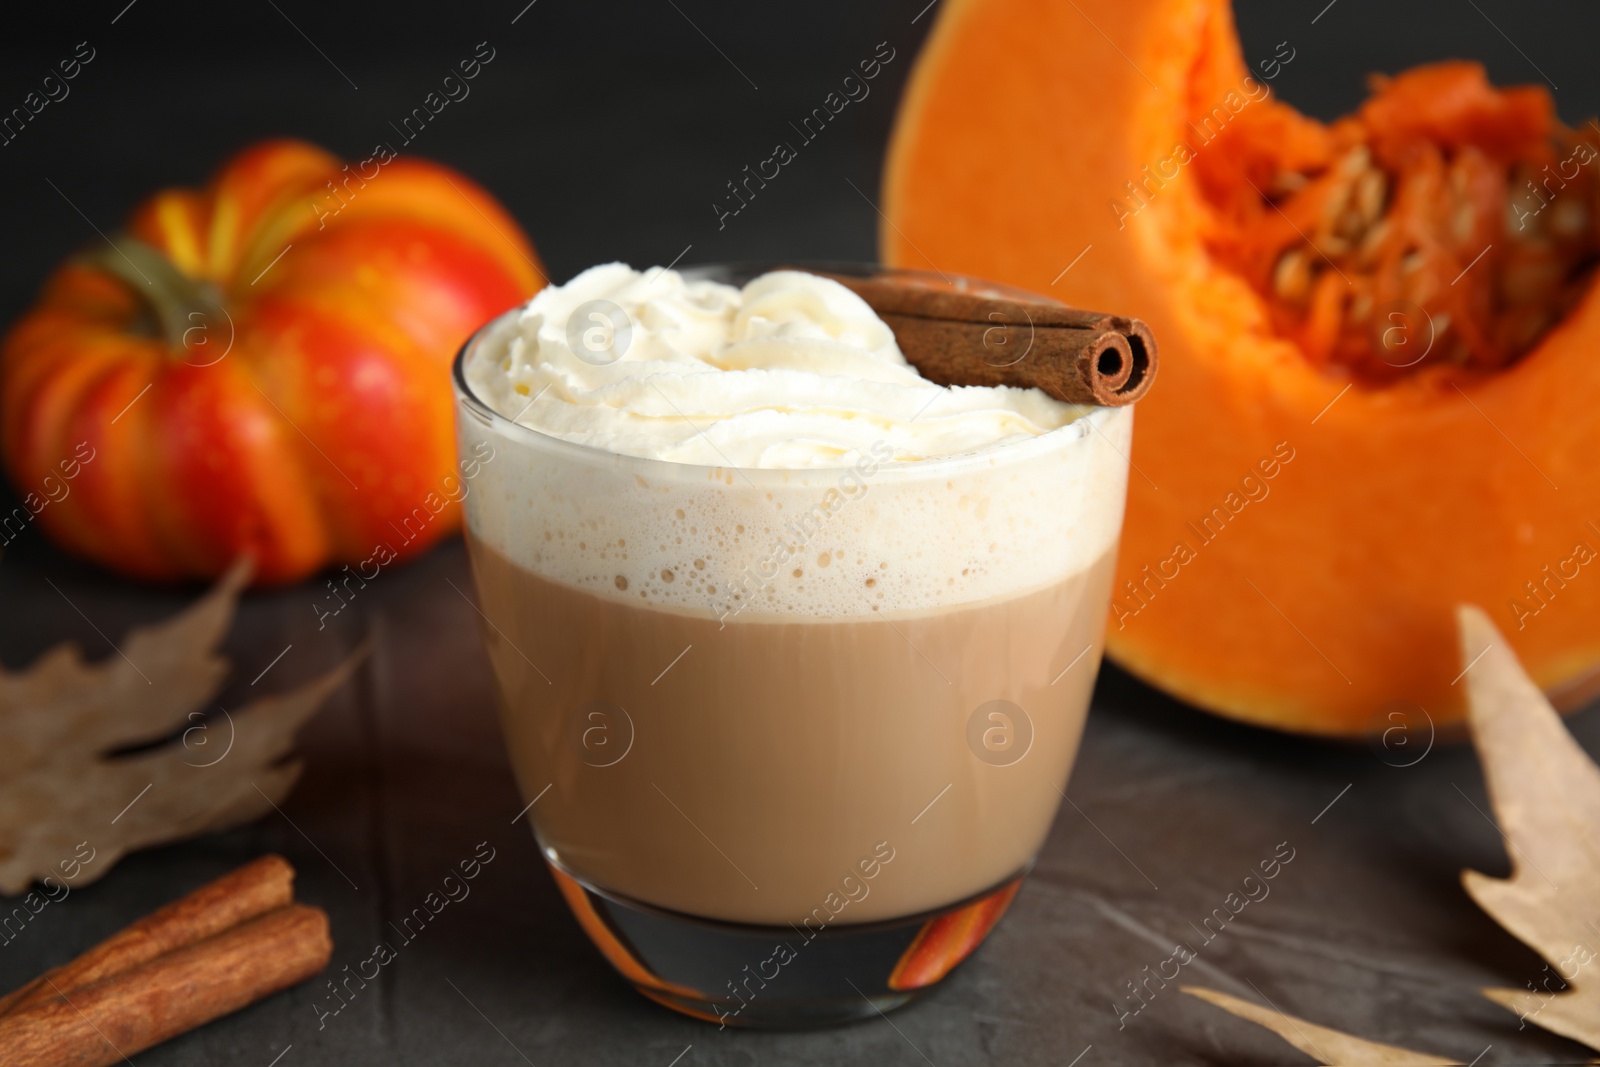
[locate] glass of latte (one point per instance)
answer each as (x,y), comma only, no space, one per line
(793,646)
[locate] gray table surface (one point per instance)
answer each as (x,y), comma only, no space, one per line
(1366,929)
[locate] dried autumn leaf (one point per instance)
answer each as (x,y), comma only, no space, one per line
(1546,794)
(1325,1045)
(60,718)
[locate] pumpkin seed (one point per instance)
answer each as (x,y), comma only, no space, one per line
(1360,307)
(1289,181)
(1356,161)
(1569,217)
(1291,278)
(1371,192)
(1372,242)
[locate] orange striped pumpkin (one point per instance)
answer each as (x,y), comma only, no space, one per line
(259,367)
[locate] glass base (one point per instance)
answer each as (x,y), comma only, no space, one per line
(781,977)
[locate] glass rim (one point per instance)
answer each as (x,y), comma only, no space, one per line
(1092,420)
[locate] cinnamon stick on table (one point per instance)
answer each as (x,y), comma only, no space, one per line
(227,944)
(255,888)
(105,1022)
(957,336)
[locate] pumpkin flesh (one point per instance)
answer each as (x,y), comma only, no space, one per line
(1316,596)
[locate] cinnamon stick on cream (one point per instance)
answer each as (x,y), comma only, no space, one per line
(956,336)
(226,945)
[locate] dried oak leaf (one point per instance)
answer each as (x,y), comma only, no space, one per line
(1546,795)
(1325,1045)
(61,718)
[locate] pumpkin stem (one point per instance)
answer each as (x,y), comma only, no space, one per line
(183,308)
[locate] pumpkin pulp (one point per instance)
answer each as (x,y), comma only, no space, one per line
(1413,228)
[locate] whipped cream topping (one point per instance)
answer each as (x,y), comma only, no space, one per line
(793,371)
(796,374)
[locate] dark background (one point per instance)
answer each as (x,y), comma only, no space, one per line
(609,130)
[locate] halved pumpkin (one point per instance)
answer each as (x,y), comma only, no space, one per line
(1310,499)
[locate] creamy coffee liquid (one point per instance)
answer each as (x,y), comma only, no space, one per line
(770,758)
(766,607)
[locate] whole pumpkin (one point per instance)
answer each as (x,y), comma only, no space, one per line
(259,368)
(1306,508)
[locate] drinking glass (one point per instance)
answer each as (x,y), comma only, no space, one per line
(790,738)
